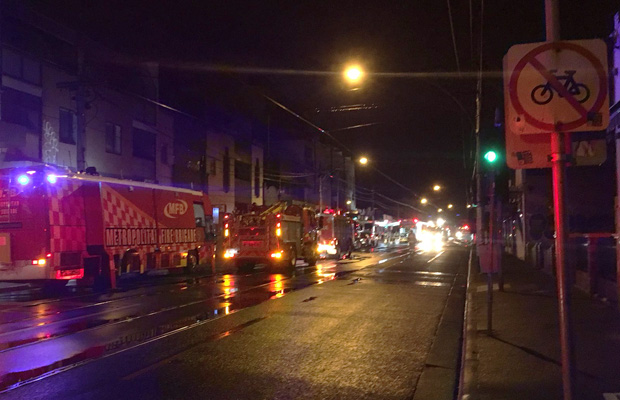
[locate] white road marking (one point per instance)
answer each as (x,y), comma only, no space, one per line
(433,259)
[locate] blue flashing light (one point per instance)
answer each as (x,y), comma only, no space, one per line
(51,178)
(23,179)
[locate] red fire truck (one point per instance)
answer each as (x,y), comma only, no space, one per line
(336,235)
(276,235)
(56,225)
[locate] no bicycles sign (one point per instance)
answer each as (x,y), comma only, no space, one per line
(556,86)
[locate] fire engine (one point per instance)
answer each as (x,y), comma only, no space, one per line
(57,225)
(276,235)
(336,234)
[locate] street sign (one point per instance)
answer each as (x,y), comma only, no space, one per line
(534,150)
(556,86)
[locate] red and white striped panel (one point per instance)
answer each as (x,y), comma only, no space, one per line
(118,212)
(67,219)
(66,204)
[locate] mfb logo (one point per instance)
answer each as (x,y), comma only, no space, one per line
(175,209)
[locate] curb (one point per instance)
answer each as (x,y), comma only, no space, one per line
(469,352)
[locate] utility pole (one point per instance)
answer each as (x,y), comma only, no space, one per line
(320,193)
(617,138)
(558,157)
(80,105)
(373,204)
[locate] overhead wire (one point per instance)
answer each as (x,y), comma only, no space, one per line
(456,54)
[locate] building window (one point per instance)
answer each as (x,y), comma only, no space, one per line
(257,178)
(226,171)
(143,144)
(22,109)
(164,154)
(20,67)
(112,138)
(67,127)
(243,171)
(146,112)
(212,168)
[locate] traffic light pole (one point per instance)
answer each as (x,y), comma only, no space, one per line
(492,248)
(558,157)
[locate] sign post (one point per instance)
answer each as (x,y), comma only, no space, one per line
(552,89)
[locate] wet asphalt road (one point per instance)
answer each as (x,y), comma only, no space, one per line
(390,330)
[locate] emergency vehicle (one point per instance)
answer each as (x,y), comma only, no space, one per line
(276,235)
(336,235)
(370,234)
(58,225)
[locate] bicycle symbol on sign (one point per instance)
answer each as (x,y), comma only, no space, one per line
(543,94)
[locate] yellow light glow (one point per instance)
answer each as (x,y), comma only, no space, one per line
(423,200)
(277,254)
(353,74)
(348,202)
(450,206)
(363,160)
(277,284)
(278,232)
(229,280)
(42,261)
(226,233)
(440,210)
(436,188)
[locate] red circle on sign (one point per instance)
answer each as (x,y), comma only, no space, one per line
(545,126)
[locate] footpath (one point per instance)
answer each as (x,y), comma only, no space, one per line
(521,359)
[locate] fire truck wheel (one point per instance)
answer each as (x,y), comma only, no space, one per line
(338,255)
(52,288)
(101,283)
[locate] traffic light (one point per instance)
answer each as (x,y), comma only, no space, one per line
(490,156)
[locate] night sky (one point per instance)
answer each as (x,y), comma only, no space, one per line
(422,127)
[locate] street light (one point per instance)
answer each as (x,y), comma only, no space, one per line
(353,74)
(348,202)
(436,188)
(440,210)
(423,200)
(363,160)
(450,206)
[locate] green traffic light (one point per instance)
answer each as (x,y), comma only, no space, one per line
(490,156)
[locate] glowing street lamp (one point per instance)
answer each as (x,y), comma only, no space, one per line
(349,202)
(440,210)
(450,206)
(363,160)
(353,74)
(436,188)
(423,200)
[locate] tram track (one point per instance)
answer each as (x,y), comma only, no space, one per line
(99,336)
(193,282)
